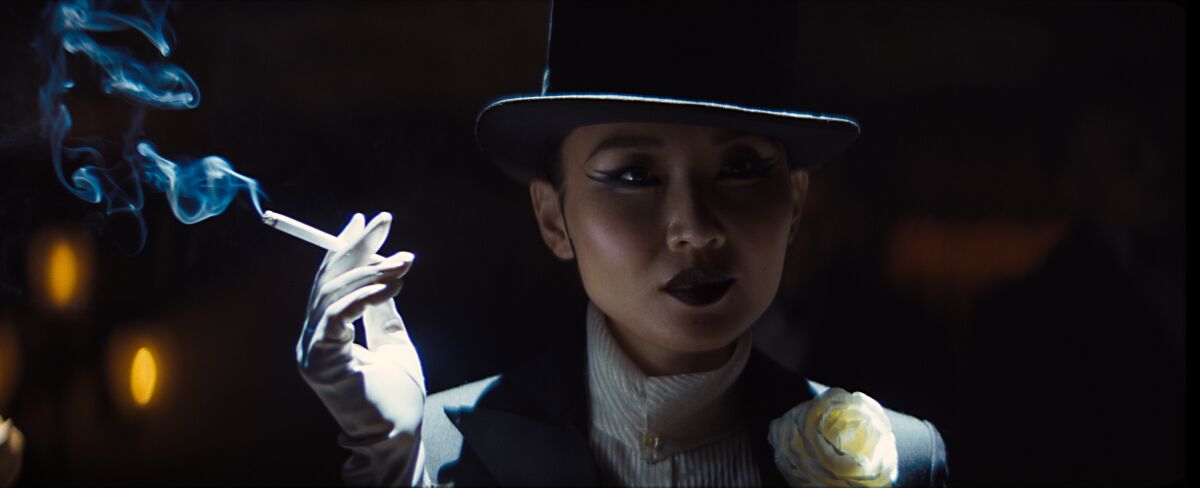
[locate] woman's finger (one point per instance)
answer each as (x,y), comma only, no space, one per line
(348,233)
(361,244)
(376,232)
(362,275)
(356,224)
(323,271)
(352,280)
(340,316)
(383,325)
(370,238)
(391,269)
(350,307)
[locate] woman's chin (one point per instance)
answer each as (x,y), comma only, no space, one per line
(693,334)
(705,328)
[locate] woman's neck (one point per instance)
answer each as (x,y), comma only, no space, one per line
(657,361)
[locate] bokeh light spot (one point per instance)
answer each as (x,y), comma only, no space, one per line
(143,376)
(62,273)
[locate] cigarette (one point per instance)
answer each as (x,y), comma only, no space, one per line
(308,233)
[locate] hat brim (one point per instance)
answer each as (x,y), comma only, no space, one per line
(516,132)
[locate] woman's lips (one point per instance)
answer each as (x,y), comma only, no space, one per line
(701,295)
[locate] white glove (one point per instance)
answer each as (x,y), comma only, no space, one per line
(377,395)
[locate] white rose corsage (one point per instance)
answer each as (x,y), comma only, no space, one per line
(835,439)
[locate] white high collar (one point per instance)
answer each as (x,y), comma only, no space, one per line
(659,415)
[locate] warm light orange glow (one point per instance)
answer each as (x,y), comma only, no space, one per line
(62,273)
(9,363)
(143,376)
(60,269)
(951,263)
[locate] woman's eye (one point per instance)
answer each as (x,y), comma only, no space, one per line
(638,176)
(747,167)
(629,176)
(634,175)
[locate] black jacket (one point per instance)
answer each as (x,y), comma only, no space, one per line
(530,426)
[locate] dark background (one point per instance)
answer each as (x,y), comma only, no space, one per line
(1002,251)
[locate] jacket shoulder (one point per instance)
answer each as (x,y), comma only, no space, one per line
(442,440)
(920,449)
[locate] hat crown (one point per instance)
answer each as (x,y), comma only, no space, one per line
(714,51)
(730,65)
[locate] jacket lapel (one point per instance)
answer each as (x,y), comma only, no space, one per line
(771,390)
(531,428)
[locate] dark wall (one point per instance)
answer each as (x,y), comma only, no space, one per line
(1001,252)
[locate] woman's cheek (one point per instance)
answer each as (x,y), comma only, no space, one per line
(617,234)
(622,233)
(760,230)
(761,221)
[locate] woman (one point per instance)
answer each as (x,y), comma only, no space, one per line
(671,166)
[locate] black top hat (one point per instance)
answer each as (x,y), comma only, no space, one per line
(698,63)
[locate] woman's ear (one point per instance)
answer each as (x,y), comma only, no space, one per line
(799,179)
(550,218)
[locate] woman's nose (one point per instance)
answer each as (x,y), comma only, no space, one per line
(690,222)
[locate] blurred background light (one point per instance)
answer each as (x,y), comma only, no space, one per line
(141,362)
(949,263)
(62,273)
(60,267)
(9,363)
(143,376)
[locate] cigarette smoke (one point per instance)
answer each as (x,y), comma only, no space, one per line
(196,189)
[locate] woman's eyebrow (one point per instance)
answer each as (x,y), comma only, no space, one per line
(626,141)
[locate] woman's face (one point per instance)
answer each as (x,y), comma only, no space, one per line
(646,202)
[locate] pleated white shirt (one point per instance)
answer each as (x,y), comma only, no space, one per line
(678,430)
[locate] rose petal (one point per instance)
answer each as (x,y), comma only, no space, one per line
(835,439)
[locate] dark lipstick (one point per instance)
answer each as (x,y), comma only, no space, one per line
(698,287)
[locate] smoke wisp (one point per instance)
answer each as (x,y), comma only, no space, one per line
(195,189)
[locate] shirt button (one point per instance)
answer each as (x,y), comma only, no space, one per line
(651,441)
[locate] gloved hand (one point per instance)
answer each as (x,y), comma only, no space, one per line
(376,393)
